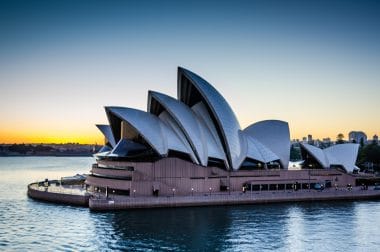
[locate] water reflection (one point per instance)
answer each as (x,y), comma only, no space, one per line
(177,229)
(256,227)
(365,226)
(284,227)
(316,224)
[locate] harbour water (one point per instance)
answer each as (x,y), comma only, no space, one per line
(28,225)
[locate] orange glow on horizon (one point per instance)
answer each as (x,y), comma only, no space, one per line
(50,137)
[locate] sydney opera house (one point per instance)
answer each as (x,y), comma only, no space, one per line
(194,144)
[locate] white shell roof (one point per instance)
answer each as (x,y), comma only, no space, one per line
(343,154)
(176,139)
(222,112)
(258,151)
(107,132)
(317,153)
(214,146)
(159,135)
(202,124)
(105,148)
(275,135)
(186,120)
(339,154)
(148,125)
(123,146)
(120,148)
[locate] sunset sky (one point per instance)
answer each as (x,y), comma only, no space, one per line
(315,65)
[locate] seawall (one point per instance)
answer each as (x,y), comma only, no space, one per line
(34,192)
(236,198)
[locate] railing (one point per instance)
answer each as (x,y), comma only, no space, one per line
(73,190)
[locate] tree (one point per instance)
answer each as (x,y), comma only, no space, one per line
(361,142)
(339,138)
(369,154)
(295,153)
(373,153)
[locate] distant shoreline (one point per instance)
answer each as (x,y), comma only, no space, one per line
(48,150)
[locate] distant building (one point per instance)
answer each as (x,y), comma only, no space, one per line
(357,137)
(326,140)
(310,139)
(295,141)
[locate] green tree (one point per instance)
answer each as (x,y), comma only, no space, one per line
(339,138)
(369,154)
(361,142)
(295,153)
(373,153)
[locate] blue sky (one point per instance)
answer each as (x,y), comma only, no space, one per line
(314,64)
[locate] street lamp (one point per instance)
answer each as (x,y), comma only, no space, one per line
(192,191)
(134,192)
(210,189)
(173,191)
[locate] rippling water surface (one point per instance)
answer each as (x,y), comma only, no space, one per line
(28,225)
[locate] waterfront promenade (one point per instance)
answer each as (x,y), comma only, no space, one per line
(77,195)
(100,203)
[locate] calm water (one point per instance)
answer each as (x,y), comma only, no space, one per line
(29,225)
